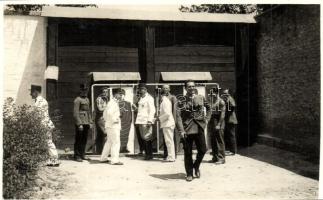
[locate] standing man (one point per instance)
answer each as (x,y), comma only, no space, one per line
(126,121)
(145,119)
(101,103)
(216,127)
(112,120)
(141,142)
(83,122)
(191,123)
(230,123)
(42,105)
(165,91)
(167,123)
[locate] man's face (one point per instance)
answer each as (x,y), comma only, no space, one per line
(190,87)
(34,94)
(117,96)
(165,89)
(105,92)
(83,93)
(142,91)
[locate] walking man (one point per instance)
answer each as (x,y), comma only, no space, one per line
(191,123)
(230,123)
(83,122)
(167,123)
(145,119)
(42,105)
(112,120)
(216,127)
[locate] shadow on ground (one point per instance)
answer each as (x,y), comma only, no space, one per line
(180,176)
(294,162)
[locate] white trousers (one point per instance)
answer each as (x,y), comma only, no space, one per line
(112,145)
(53,154)
(169,140)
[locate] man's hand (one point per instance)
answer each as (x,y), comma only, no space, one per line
(80,127)
(149,123)
(183,134)
(91,126)
(217,127)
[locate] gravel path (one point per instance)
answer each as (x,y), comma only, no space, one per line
(240,178)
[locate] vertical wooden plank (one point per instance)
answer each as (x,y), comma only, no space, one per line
(150,55)
(52,42)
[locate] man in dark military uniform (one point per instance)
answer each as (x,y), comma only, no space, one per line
(216,127)
(191,123)
(230,123)
(83,122)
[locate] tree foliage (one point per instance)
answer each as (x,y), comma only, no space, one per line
(26,9)
(226,8)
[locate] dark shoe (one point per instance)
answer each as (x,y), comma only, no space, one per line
(140,154)
(118,163)
(229,153)
(213,160)
(189,178)
(148,157)
(78,160)
(86,158)
(197,173)
(220,162)
(106,161)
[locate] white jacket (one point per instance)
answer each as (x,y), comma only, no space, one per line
(111,115)
(146,110)
(166,113)
(42,105)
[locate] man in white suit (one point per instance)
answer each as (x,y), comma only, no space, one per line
(145,119)
(112,120)
(42,105)
(167,123)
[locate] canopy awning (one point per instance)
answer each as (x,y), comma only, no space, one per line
(116,76)
(147,14)
(184,76)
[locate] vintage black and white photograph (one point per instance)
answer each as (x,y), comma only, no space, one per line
(161,101)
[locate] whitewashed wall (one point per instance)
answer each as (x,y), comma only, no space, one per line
(24,56)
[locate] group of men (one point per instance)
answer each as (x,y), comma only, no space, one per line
(188,115)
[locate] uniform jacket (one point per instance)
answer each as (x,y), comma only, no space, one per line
(231,117)
(191,109)
(146,110)
(218,113)
(82,113)
(111,115)
(173,100)
(166,113)
(42,105)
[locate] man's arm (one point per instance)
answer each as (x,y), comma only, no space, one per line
(152,110)
(222,115)
(208,109)
(179,121)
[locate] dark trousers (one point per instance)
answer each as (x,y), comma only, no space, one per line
(80,141)
(146,136)
(200,144)
(218,145)
(230,137)
(141,142)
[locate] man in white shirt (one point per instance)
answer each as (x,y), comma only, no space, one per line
(145,119)
(167,123)
(42,105)
(112,120)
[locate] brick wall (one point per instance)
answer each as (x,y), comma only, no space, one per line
(24,56)
(288,57)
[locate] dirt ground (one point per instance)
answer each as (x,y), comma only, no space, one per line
(244,176)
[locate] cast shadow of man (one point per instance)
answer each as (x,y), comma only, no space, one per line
(169,176)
